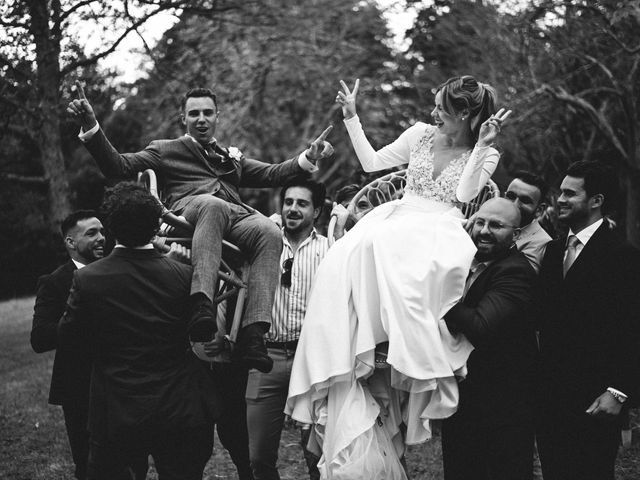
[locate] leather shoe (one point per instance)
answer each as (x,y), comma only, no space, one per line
(202,324)
(251,351)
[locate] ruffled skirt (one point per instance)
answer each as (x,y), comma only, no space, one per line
(391,279)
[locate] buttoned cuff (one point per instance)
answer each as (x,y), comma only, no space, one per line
(86,136)
(305,164)
(617,393)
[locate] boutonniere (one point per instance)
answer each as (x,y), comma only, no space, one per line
(235,154)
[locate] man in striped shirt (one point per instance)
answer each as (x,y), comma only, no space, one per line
(266,395)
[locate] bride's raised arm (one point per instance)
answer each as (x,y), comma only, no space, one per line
(483,159)
(394,154)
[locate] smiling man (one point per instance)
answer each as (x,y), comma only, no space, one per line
(266,395)
(528,192)
(83,237)
(201,182)
(490,437)
(589,308)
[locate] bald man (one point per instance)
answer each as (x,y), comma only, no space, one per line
(491,435)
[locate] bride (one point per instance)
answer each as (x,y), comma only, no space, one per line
(391,279)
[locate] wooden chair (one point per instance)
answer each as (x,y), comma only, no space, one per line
(232,275)
(391,187)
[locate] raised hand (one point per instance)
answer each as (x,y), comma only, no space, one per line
(491,127)
(347,98)
(80,109)
(320,148)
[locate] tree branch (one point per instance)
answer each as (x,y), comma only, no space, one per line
(64,15)
(624,46)
(24,179)
(92,60)
(597,118)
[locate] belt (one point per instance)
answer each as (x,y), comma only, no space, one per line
(290,345)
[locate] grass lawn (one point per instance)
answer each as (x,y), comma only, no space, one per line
(33,442)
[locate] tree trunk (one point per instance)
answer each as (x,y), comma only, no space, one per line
(632,184)
(48,79)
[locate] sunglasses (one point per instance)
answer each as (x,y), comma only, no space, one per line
(285,278)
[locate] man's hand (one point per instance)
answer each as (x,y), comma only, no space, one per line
(179,253)
(81,110)
(342,215)
(320,148)
(605,406)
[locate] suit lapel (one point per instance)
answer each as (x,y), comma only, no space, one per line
(591,255)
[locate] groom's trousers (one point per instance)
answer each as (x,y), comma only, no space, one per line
(257,236)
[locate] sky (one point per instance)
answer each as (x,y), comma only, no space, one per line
(399,19)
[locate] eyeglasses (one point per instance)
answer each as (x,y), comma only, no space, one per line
(285,278)
(492,225)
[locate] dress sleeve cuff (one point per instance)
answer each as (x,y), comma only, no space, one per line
(304,163)
(86,136)
(617,392)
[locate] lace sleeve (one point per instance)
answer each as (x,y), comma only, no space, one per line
(479,168)
(394,154)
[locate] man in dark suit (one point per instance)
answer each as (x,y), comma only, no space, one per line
(83,237)
(589,332)
(201,181)
(149,394)
(491,435)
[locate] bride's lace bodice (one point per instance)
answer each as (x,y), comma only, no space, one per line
(460,181)
(420,179)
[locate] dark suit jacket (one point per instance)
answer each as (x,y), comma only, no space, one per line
(131,308)
(184,170)
(495,316)
(71,368)
(589,321)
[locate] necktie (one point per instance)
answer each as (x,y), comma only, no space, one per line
(572,253)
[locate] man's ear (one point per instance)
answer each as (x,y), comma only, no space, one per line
(516,233)
(182,119)
(597,201)
(316,213)
(540,209)
(69,243)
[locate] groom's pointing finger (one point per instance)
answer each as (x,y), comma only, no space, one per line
(324,134)
(80,91)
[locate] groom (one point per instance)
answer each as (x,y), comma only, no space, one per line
(201,181)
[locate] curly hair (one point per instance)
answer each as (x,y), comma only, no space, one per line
(198,92)
(130,214)
(466,93)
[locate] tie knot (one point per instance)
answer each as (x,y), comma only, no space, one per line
(572,241)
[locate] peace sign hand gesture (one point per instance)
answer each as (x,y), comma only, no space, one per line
(80,109)
(491,127)
(320,148)
(347,99)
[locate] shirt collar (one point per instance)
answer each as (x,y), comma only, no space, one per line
(213,141)
(148,246)
(586,233)
(312,236)
(529,229)
(78,264)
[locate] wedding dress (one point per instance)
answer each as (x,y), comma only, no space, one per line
(390,278)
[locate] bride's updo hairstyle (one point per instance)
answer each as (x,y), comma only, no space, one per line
(466,93)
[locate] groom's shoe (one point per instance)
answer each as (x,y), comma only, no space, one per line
(250,349)
(202,323)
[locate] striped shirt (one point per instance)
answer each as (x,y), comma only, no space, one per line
(290,303)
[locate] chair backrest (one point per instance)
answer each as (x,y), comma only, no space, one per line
(391,187)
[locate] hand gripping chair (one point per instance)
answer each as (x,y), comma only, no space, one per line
(233,274)
(391,187)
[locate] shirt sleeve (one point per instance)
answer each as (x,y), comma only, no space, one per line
(394,154)
(478,170)
(86,136)
(305,164)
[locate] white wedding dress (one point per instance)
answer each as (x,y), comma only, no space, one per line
(391,278)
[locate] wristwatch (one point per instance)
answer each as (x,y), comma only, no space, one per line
(620,397)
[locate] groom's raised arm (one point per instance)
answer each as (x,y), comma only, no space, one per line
(109,160)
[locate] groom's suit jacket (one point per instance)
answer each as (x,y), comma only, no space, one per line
(131,309)
(71,368)
(184,170)
(495,317)
(589,321)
